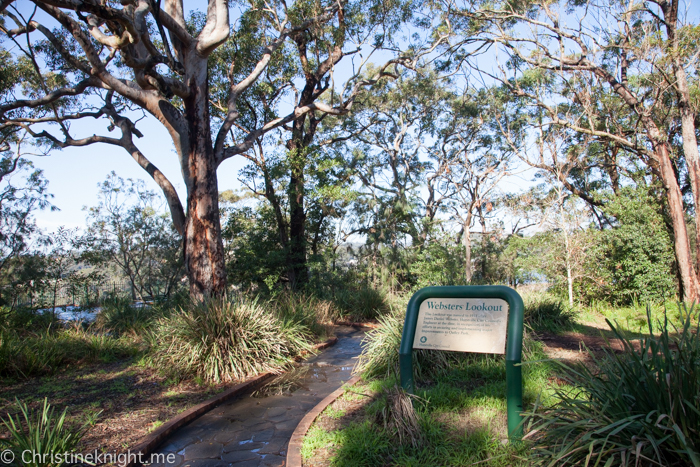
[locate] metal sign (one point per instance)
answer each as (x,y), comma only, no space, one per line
(481,319)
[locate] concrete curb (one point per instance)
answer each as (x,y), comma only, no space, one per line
(295,442)
(152,441)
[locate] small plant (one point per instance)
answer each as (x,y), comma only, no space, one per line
(544,311)
(313,313)
(380,352)
(120,316)
(398,416)
(363,303)
(42,434)
(641,407)
(225,339)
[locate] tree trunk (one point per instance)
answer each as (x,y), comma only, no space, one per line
(675,204)
(203,247)
(298,275)
(690,143)
(467,241)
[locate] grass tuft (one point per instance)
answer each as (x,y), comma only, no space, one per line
(42,434)
(640,407)
(226,339)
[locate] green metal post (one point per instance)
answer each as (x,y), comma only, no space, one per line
(514,342)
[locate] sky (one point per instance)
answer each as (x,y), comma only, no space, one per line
(75,173)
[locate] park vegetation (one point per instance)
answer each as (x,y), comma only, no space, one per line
(386,144)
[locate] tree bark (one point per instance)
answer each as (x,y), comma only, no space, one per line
(298,275)
(690,143)
(467,241)
(202,245)
(674,197)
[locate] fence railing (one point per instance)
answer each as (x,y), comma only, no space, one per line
(82,295)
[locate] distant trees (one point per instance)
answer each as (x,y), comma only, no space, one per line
(603,72)
(114,62)
(128,232)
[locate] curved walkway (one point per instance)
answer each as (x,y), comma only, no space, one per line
(254,430)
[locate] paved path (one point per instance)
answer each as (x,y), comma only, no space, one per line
(253,431)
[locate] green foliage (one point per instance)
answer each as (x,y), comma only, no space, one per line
(380,352)
(225,339)
(639,406)
(25,320)
(544,311)
(638,250)
(127,230)
(120,316)
(441,262)
(28,355)
(253,246)
(42,437)
(308,311)
(361,303)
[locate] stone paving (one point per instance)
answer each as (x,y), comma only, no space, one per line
(254,430)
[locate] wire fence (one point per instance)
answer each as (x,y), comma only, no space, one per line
(79,295)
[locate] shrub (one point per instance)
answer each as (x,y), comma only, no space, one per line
(45,436)
(639,407)
(225,339)
(120,316)
(363,303)
(313,313)
(26,320)
(544,311)
(380,352)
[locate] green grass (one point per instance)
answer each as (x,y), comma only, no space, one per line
(642,405)
(226,339)
(22,356)
(460,410)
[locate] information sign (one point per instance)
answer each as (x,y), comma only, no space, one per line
(480,319)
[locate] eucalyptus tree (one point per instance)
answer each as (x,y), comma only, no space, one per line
(108,62)
(390,159)
(475,158)
(579,50)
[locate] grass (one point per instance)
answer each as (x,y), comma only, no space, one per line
(361,303)
(120,316)
(226,339)
(642,405)
(459,417)
(43,434)
(34,354)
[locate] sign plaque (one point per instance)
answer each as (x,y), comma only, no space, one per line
(462,324)
(479,319)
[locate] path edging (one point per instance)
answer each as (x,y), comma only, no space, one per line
(153,440)
(297,439)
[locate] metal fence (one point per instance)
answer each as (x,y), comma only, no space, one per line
(82,295)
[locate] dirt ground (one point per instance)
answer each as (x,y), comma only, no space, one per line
(132,400)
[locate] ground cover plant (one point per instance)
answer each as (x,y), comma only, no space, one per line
(458,419)
(457,416)
(227,339)
(637,407)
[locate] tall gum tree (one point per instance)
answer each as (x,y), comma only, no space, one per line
(93,59)
(564,44)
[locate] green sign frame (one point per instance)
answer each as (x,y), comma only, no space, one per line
(514,341)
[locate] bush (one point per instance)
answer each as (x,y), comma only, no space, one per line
(313,313)
(639,407)
(120,316)
(544,311)
(225,339)
(24,356)
(362,304)
(24,320)
(46,435)
(380,352)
